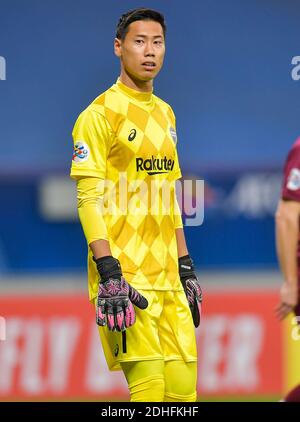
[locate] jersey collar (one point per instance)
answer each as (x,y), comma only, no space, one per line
(145,97)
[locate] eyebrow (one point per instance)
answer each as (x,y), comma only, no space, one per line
(146,36)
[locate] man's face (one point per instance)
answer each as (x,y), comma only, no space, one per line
(143,49)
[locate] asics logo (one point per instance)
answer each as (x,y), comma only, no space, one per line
(154,165)
(132,135)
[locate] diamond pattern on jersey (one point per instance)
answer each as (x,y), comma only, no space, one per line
(144,238)
(138,116)
(156,133)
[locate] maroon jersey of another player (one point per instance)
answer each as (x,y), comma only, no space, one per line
(291,181)
(291,191)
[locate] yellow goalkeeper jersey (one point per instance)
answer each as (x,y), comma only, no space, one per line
(128,139)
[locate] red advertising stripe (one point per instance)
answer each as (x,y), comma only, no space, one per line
(240,345)
(52,349)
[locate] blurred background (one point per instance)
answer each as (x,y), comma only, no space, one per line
(232,76)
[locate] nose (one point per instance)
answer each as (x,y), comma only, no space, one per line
(149,50)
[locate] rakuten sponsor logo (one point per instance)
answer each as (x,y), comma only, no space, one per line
(154,165)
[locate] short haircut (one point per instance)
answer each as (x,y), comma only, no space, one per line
(140,14)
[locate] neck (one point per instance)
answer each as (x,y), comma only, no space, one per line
(133,83)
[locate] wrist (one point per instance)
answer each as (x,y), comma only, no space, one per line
(293,281)
(186,267)
(108,267)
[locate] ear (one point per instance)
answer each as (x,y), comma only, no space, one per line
(118,47)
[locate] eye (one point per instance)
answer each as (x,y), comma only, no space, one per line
(158,42)
(139,42)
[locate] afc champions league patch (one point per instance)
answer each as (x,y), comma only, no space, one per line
(81,152)
(173,135)
(293,182)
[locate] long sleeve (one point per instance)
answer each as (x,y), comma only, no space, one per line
(90,208)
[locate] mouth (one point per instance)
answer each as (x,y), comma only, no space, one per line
(149,65)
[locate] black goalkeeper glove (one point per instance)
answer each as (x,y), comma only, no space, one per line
(191,287)
(116,297)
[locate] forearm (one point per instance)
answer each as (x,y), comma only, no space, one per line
(287,229)
(100,248)
(180,238)
(181,243)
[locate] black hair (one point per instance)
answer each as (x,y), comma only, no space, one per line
(140,14)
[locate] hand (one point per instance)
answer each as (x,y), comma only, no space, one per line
(191,287)
(116,297)
(288,299)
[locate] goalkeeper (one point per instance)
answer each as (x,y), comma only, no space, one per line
(140,276)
